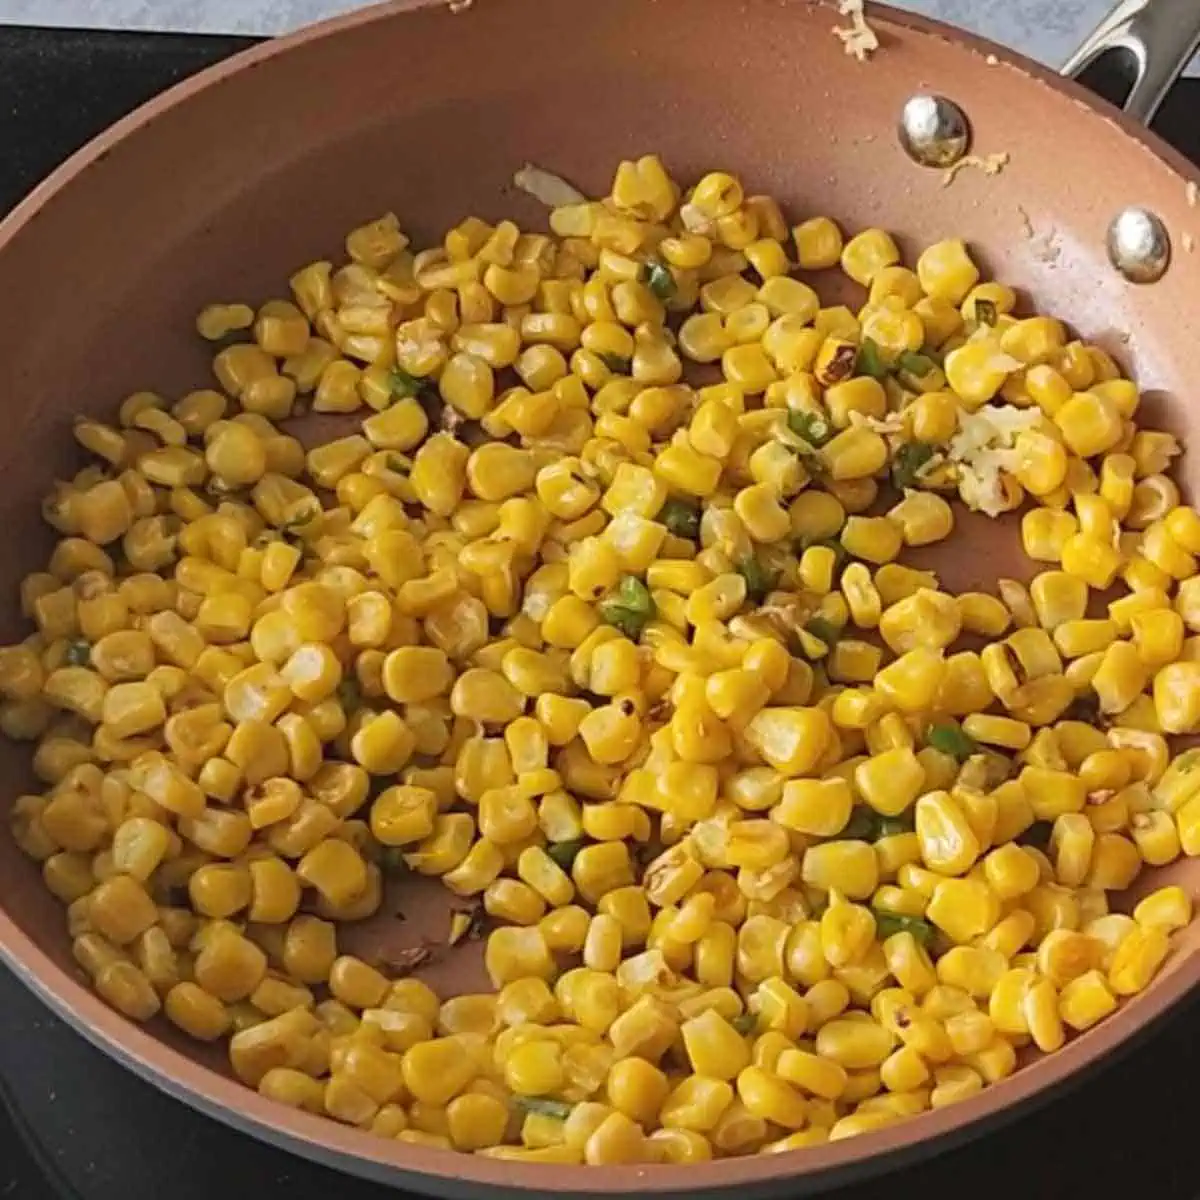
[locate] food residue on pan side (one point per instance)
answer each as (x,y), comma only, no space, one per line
(402,963)
(1045,245)
(860,41)
(989,164)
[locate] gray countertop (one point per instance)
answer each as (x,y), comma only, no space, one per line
(1045,29)
(1048,30)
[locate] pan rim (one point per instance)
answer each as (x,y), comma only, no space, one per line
(387,1161)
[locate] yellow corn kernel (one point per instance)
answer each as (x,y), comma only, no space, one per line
(1177,697)
(818,243)
(1085,1000)
(1168,908)
(854,1045)
(868,253)
(912,681)
(1088,558)
(1010,872)
(1137,959)
(848,866)
(997,731)
(853,455)
(818,807)
(948,843)
(1052,792)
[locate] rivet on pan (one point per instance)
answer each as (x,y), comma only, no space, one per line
(1139,245)
(934,131)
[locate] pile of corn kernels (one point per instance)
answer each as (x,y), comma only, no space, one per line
(764,852)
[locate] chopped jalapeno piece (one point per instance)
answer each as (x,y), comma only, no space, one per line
(951,740)
(349,695)
(658,278)
(908,461)
(681,518)
(79,653)
(615,363)
(870,360)
(986,312)
(866,825)
(629,608)
(887,924)
(759,579)
(564,853)
(391,861)
(629,623)
(1085,708)
(403,384)
(862,825)
(560,1110)
(302,516)
(826,630)
(916,364)
(815,429)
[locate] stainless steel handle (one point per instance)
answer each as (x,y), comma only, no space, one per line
(1159,35)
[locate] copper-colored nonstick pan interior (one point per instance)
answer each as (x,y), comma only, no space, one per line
(220,189)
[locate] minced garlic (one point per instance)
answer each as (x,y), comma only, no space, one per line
(984,451)
(551,190)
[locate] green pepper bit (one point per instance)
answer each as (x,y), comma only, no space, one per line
(391,861)
(908,461)
(404,385)
(629,607)
(824,629)
(862,825)
(951,740)
(814,428)
(759,579)
(887,924)
(564,853)
(681,518)
(615,363)
(891,826)
(918,365)
(78,653)
(870,360)
(986,312)
(349,694)
(866,825)
(559,1110)
(657,277)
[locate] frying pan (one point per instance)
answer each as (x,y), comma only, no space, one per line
(220,188)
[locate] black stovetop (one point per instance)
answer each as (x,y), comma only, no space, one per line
(74,1124)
